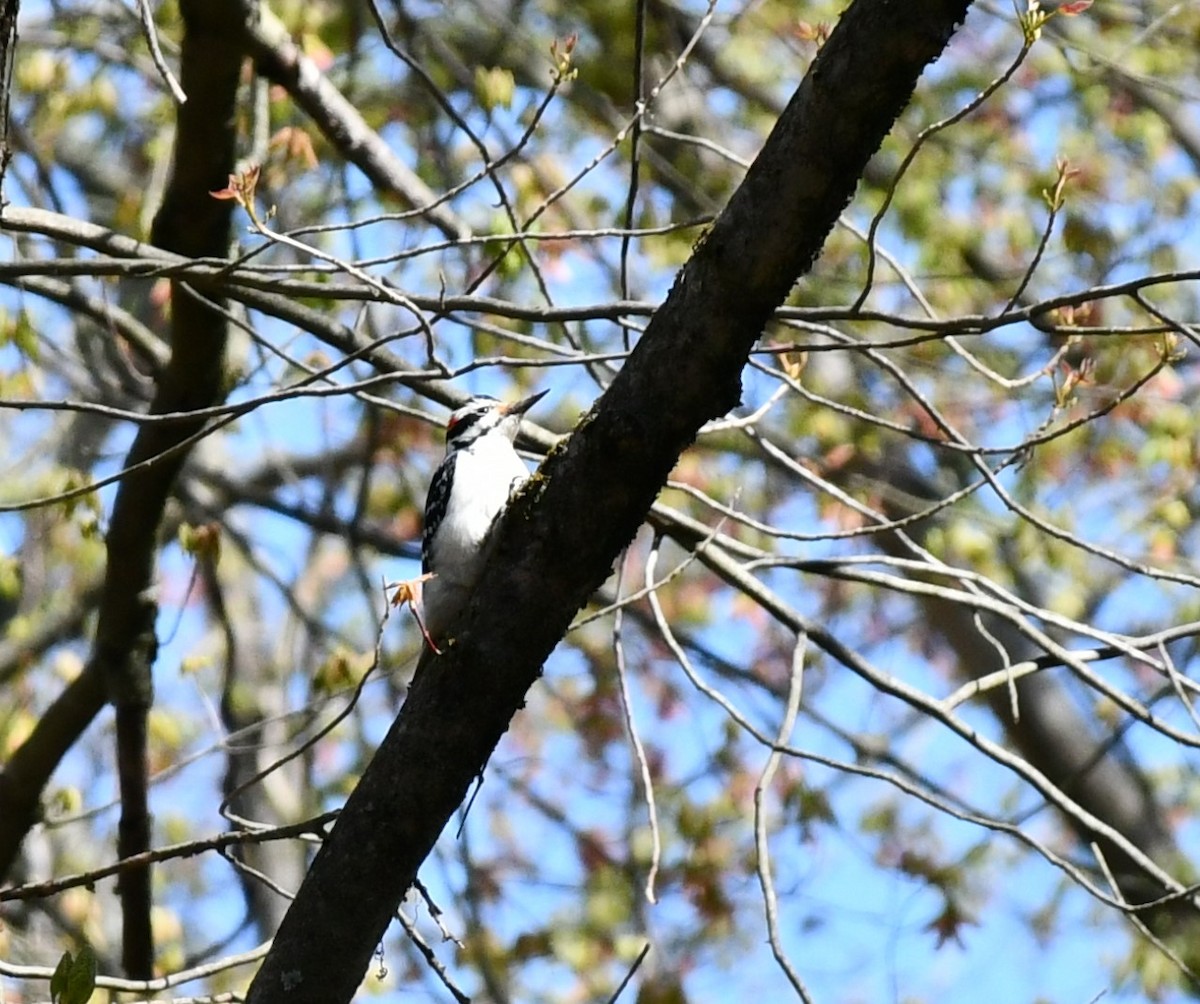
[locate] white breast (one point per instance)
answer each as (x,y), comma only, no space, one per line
(485,475)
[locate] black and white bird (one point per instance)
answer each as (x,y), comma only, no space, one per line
(470,488)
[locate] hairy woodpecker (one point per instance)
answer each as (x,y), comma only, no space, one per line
(469,490)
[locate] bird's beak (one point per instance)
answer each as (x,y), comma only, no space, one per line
(522,406)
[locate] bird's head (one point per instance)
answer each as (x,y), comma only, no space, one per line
(483,415)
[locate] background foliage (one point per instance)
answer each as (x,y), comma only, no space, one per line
(966,449)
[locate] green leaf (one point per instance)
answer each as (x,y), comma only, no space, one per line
(58,982)
(494,87)
(74,979)
(82,980)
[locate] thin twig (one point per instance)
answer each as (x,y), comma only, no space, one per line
(1131,912)
(922,137)
(430,957)
(45,973)
(639,751)
(894,687)
(761,848)
(1055,202)
(635,150)
(436,913)
(40,890)
(629,975)
(146,16)
(316,736)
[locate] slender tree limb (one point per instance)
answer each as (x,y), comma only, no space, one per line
(45,973)
(145,343)
(560,536)
(31,764)
(308,828)
(189,223)
(249,285)
(635,740)
(51,628)
(156,54)
(1051,731)
(8,58)
(280,60)
(761,842)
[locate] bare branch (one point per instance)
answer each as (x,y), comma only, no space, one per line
(280,59)
(538,575)
(761,846)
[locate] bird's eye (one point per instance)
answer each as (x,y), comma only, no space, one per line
(464,419)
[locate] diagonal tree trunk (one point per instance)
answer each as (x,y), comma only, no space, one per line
(561,535)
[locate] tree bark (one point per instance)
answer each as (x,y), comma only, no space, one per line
(8,57)
(557,541)
(190,222)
